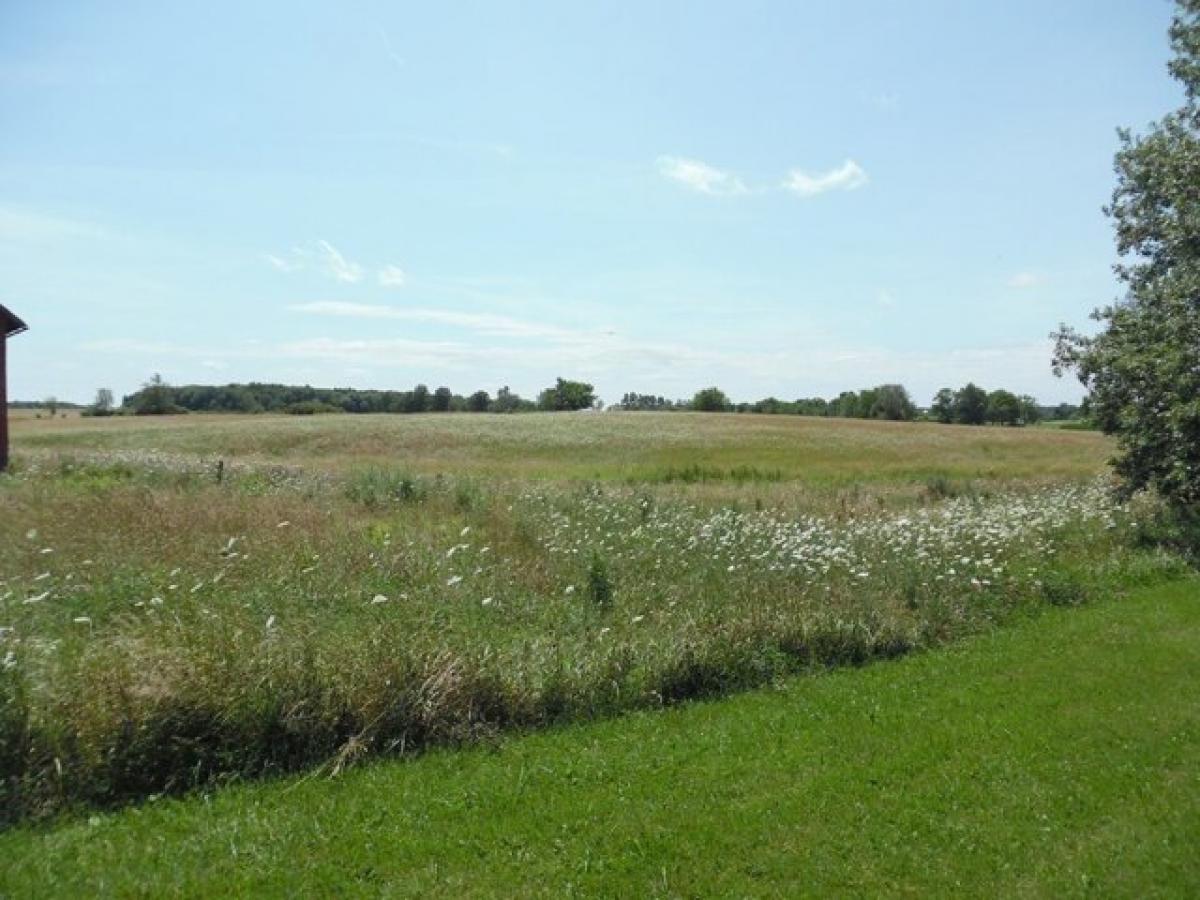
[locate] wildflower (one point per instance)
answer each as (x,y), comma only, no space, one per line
(82,620)
(636,619)
(39,598)
(31,534)
(284,524)
(487,601)
(46,550)
(570,589)
(465,531)
(379,598)
(453,580)
(270,623)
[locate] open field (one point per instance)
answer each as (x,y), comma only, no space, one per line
(1058,757)
(639,447)
(352,587)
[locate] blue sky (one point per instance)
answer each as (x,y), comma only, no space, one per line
(786,199)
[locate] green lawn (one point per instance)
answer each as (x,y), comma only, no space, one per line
(1058,756)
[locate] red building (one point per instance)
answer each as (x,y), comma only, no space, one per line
(9,325)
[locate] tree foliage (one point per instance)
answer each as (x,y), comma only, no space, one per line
(1142,370)
(567,395)
(711,399)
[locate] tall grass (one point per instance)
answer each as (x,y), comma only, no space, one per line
(160,632)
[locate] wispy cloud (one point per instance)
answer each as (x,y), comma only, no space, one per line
(1025,280)
(700,176)
(387,48)
(885,297)
(848,176)
(319,256)
(392,277)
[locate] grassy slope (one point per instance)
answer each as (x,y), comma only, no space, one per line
(1058,756)
(638,446)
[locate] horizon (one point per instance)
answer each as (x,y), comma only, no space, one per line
(777,201)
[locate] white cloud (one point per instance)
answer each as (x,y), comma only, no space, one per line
(318,256)
(392,277)
(846,177)
(336,265)
(700,176)
(1024,280)
(280,264)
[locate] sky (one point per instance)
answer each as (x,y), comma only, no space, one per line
(784,199)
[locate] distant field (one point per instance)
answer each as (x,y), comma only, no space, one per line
(639,447)
(20,415)
(1057,758)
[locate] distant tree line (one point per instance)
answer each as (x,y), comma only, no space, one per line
(156,397)
(970,405)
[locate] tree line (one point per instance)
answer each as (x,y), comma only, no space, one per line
(969,405)
(156,397)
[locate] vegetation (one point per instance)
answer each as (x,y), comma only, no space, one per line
(172,624)
(972,405)
(1024,762)
(1143,369)
(711,400)
(567,396)
(818,464)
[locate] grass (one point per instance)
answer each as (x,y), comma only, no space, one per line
(1057,757)
(163,629)
(651,447)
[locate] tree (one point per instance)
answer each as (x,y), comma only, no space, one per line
(418,400)
(1142,370)
(1031,413)
(154,399)
(891,401)
(442,398)
(942,409)
(478,402)
(970,405)
(51,403)
(1003,407)
(506,400)
(103,404)
(711,400)
(567,395)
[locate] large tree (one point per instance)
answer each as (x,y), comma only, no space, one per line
(1142,370)
(567,395)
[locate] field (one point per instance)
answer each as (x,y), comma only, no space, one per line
(190,601)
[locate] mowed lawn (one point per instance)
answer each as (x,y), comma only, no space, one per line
(602,446)
(1060,756)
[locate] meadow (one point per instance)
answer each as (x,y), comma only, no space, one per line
(190,601)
